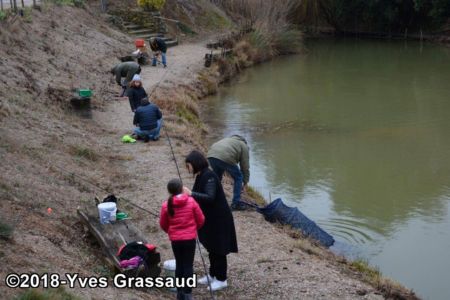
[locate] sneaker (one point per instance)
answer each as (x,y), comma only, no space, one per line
(218,285)
(204,279)
(146,139)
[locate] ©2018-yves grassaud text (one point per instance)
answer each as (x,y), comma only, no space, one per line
(55,280)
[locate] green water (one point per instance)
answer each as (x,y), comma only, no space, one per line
(357,135)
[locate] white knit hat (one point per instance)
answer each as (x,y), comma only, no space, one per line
(136,77)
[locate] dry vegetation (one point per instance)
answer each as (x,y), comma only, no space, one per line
(273,33)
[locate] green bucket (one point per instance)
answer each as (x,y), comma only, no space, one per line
(85,93)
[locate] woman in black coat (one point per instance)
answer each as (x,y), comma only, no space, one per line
(218,234)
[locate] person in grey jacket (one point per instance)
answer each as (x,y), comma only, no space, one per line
(224,156)
(125,69)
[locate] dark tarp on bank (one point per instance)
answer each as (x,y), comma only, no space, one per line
(277,211)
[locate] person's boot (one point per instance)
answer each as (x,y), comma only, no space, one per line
(146,139)
(238,206)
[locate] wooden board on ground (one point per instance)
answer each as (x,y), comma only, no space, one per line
(112,236)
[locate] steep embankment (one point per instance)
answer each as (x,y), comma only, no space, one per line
(41,61)
(43,143)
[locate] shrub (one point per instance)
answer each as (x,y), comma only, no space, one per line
(83,152)
(6,231)
(76,3)
(185,29)
(151,4)
(3,15)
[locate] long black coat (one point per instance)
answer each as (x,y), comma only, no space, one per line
(218,234)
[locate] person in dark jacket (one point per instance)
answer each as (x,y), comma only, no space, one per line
(125,69)
(136,92)
(218,234)
(148,118)
(158,47)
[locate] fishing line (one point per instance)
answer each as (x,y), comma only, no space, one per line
(197,240)
(105,190)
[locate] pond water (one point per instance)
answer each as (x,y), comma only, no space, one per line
(356,134)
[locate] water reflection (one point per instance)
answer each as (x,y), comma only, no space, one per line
(361,147)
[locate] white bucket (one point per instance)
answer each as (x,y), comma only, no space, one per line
(169,267)
(107,212)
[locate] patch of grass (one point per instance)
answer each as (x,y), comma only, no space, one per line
(214,20)
(187,115)
(86,153)
(362,266)
(6,231)
(121,157)
(256,196)
(50,294)
(103,270)
(306,246)
(387,287)
(27,14)
(288,41)
(3,15)
(186,29)
(209,83)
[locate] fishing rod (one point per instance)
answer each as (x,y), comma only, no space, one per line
(197,240)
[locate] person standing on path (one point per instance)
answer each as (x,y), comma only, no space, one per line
(181,218)
(136,92)
(224,156)
(218,234)
(158,47)
(148,119)
(125,70)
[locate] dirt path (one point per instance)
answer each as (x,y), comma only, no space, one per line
(270,264)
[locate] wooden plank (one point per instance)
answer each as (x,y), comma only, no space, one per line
(112,236)
(112,259)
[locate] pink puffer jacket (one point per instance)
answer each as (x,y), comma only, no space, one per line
(188,218)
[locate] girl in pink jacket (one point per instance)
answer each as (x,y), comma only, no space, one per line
(180,218)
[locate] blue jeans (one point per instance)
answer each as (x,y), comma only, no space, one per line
(163,57)
(219,167)
(153,134)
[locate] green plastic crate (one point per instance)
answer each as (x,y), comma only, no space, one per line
(85,93)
